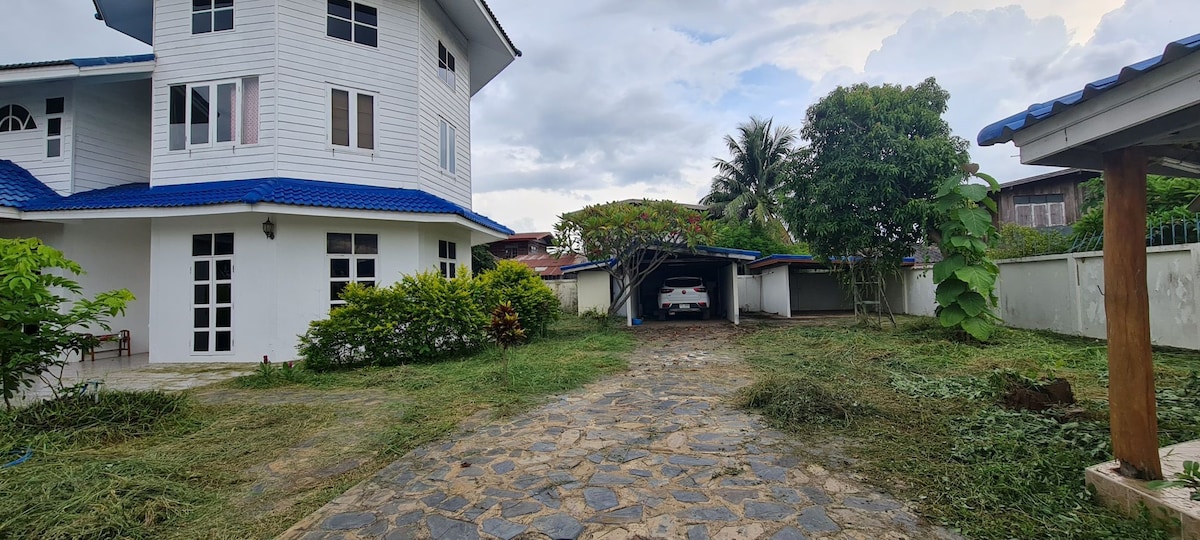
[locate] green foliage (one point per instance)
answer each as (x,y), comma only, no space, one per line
(637,237)
(798,400)
(37,325)
(110,417)
(482,259)
(505,330)
(516,284)
(1189,478)
(749,186)
(1016,241)
(743,235)
(1167,199)
(875,157)
(966,278)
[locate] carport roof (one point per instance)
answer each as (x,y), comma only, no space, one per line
(703,251)
(806,261)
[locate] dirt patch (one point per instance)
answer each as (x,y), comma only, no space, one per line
(1038,397)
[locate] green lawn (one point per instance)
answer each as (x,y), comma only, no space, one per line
(919,411)
(250,457)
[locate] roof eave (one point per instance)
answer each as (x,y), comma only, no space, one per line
(131,70)
(489,49)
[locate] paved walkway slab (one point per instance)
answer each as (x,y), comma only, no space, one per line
(657,452)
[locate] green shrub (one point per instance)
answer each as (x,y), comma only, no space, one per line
(1020,241)
(420,318)
(517,284)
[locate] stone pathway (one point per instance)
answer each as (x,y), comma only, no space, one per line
(657,452)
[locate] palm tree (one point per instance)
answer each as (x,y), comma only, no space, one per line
(749,186)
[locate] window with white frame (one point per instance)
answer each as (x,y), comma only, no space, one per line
(446,152)
(211,16)
(1041,210)
(352,21)
(54,126)
(352,119)
(353,258)
(445,65)
(15,118)
(204,115)
(212,293)
(448,258)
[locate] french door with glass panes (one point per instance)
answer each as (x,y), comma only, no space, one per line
(212,293)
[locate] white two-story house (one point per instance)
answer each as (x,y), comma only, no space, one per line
(268,153)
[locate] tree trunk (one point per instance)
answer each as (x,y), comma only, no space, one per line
(1132,407)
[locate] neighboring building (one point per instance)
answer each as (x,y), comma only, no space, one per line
(550,266)
(1047,200)
(267,154)
(531,243)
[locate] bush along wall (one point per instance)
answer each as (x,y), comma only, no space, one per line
(423,317)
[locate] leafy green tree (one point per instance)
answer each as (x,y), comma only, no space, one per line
(37,327)
(876,155)
(752,236)
(966,278)
(750,185)
(482,260)
(636,237)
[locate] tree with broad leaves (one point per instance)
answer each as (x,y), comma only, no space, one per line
(750,184)
(876,155)
(35,331)
(636,238)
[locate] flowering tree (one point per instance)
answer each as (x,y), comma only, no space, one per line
(634,237)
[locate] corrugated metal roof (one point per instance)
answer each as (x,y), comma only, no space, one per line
(529,236)
(83,62)
(547,265)
(19,189)
(18,186)
(1083,174)
(1002,131)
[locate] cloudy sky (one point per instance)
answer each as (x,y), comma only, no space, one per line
(616,99)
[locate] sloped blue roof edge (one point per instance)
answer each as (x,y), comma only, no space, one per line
(83,62)
(284,191)
(18,186)
(785,258)
(699,249)
(1003,130)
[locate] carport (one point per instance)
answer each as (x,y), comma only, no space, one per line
(717,267)
(800,284)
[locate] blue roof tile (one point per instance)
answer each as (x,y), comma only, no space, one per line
(18,186)
(83,62)
(1002,131)
(286,191)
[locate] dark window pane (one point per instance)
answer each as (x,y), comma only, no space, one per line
(223,20)
(451,249)
(224,244)
(201,245)
(54,127)
(224,293)
(202,22)
(442,265)
(1054,198)
(338,28)
(442,52)
(340,8)
(54,148)
(199,133)
(198,5)
(366,35)
(200,318)
(200,295)
(335,289)
(218,4)
(224,341)
(338,243)
(452,268)
(339,268)
(366,121)
(449,61)
(55,105)
(178,115)
(341,117)
(226,107)
(1021,200)
(225,269)
(200,341)
(366,268)
(201,271)
(366,15)
(366,244)
(224,317)
(442,249)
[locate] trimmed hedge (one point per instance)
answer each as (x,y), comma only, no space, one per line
(423,317)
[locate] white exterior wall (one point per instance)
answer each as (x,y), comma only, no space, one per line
(28,148)
(595,293)
(728,285)
(311,63)
(279,285)
(437,101)
(776,295)
(182,58)
(912,291)
(111,134)
(115,254)
(750,293)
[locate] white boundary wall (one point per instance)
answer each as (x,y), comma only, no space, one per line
(567,291)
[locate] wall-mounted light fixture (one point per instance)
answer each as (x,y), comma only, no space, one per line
(269,228)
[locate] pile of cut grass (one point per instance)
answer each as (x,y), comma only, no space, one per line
(927,425)
(153,465)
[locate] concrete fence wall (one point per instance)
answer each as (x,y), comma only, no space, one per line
(750,293)
(567,291)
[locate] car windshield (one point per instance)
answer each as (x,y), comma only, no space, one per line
(683,282)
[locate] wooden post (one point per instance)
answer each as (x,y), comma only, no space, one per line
(1132,407)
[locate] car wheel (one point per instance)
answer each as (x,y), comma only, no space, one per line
(705,314)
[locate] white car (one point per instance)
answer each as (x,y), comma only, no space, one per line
(683,295)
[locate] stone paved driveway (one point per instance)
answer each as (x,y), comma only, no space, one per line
(657,452)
